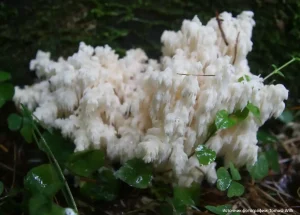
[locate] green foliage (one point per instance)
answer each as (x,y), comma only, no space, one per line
(223,120)
(41,204)
(27,130)
(105,187)
(226,181)
(254,110)
(184,197)
(234,172)
(235,189)
(136,173)
(86,162)
(205,155)
(278,70)
(61,148)
(260,169)
(266,138)
(14,122)
(273,159)
(244,78)
(43,180)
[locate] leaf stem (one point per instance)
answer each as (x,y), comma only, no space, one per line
(280,68)
(58,168)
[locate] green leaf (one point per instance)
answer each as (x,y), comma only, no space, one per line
(223,121)
(43,180)
(244,78)
(61,148)
(86,162)
(239,115)
(254,110)
(1,187)
(224,179)
(27,130)
(106,187)
(260,169)
(286,117)
(136,173)
(205,155)
(219,210)
(43,205)
(235,189)
(184,197)
(273,160)
(234,172)
(14,122)
(4,76)
(265,137)
(39,204)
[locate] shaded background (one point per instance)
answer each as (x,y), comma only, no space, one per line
(58,26)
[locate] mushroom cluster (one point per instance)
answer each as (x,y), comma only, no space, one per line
(159,110)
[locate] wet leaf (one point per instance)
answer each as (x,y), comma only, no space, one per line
(43,180)
(273,160)
(205,155)
(224,179)
(235,189)
(86,162)
(254,110)
(286,117)
(4,76)
(14,122)
(60,147)
(219,210)
(234,172)
(136,173)
(105,187)
(223,121)
(260,169)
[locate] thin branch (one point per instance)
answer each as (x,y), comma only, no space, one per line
(235,48)
(193,74)
(220,27)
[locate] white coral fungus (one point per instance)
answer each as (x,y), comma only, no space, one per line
(137,107)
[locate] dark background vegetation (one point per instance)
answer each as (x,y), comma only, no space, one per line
(58,26)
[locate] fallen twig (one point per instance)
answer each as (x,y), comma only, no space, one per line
(235,48)
(220,27)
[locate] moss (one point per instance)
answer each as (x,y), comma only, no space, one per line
(59,25)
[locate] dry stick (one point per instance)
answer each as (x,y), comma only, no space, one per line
(235,48)
(193,74)
(220,27)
